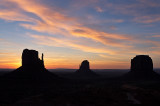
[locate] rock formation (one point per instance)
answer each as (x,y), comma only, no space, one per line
(32,68)
(84,67)
(141,63)
(142,68)
(30,59)
(84,70)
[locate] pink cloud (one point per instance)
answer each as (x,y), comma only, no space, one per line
(148,19)
(99,9)
(52,41)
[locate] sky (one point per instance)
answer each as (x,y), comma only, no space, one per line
(107,33)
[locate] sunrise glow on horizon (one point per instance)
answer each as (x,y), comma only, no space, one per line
(107,33)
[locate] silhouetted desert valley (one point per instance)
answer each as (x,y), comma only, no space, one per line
(32,84)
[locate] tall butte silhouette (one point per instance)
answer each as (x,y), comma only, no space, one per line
(142,68)
(32,67)
(84,70)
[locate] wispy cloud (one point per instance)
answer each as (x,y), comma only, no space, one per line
(139,10)
(53,22)
(156,36)
(103,37)
(103,51)
(52,41)
(56,22)
(99,9)
(147,19)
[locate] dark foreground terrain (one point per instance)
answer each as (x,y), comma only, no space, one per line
(71,90)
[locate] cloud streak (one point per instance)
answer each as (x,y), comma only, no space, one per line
(98,9)
(54,22)
(156,36)
(52,41)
